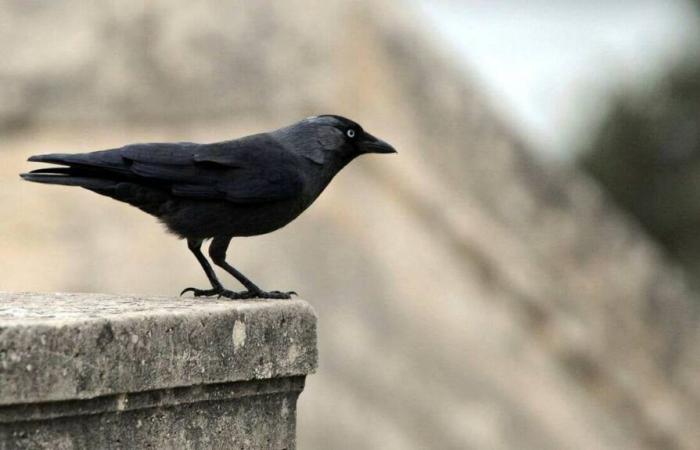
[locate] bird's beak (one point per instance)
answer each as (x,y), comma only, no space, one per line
(372,144)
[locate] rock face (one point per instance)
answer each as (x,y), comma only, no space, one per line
(468,297)
(130,62)
(91,371)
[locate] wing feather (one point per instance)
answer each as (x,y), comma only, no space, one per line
(248,170)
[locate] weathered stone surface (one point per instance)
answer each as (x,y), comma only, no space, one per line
(100,371)
(258,414)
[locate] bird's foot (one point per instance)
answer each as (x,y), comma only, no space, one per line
(202,292)
(242,295)
(275,294)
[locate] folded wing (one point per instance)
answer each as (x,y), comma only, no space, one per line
(249,170)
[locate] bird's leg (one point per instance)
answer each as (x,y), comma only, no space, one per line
(195,246)
(217,252)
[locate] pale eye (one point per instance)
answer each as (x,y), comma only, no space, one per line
(351,133)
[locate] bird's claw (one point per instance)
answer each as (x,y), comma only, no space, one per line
(275,294)
(245,295)
(242,295)
(201,292)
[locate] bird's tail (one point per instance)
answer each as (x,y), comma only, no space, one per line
(103,172)
(74,174)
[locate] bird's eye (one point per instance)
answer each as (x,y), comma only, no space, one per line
(350,133)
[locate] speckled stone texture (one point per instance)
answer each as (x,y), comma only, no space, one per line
(99,371)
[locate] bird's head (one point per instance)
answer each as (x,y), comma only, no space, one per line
(350,134)
(331,137)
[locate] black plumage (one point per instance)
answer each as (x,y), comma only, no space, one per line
(242,187)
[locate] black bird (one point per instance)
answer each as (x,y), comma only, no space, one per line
(242,187)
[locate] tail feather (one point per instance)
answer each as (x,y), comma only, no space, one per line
(65,179)
(55,170)
(67,176)
(95,170)
(108,160)
(54,158)
(63,159)
(104,172)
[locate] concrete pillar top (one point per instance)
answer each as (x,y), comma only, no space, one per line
(57,347)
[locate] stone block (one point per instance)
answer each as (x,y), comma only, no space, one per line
(101,371)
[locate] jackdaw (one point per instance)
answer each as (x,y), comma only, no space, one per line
(242,187)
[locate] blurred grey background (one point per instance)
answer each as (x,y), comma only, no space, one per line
(520,275)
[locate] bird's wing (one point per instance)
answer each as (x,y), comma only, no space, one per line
(249,170)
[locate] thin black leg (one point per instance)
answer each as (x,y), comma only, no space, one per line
(217,252)
(195,246)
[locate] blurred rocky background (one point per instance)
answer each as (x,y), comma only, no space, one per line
(647,156)
(469,294)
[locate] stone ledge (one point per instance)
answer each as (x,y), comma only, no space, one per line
(57,347)
(252,418)
(87,371)
(164,398)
